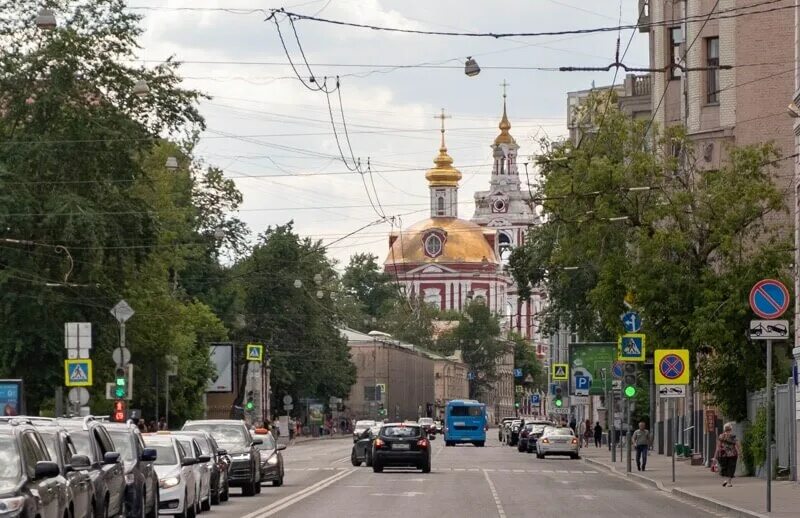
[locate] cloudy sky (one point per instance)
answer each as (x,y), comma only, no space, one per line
(275,136)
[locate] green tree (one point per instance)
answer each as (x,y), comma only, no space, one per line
(632,211)
(373,289)
(525,359)
(479,339)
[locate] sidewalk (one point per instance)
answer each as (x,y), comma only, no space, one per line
(698,484)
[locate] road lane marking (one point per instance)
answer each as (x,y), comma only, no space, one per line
(294,498)
(405,493)
(500,512)
(519,471)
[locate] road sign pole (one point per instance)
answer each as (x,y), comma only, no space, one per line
(628,435)
(613,426)
(769,426)
(675,435)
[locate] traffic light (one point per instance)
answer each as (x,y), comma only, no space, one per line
(559,401)
(516,404)
(250,403)
(119,411)
(120,384)
(629,379)
(381,410)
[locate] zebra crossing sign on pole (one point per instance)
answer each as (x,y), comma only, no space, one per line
(631,347)
(78,373)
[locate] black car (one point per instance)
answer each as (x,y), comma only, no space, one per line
(31,484)
(400,444)
(362,448)
(235,438)
(106,470)
(530,433)
(271,458)
(74,469)
(219,465)
(141,480)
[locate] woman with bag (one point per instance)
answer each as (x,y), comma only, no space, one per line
(727,454)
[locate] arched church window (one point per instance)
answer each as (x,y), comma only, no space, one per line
(433,245)
(505,246)
(440,206)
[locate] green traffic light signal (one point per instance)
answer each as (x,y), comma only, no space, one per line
(120,382)
(249,405)
(516,405)
(630,391)
(559,403)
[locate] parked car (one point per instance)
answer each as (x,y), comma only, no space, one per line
(177,488)
(512,435)
(141,480)
(362,425)
(537,430)
(219,464)
(558,441)
(271,457)
(399,444)
(106,471)
(202,470)
(31,483)
(74,468)
(234,437)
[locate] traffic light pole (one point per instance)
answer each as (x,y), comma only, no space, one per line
(613,428)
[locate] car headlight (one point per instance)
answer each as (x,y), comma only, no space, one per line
(241,456)
(166,483)
(10,505)
(272,460)
(129,478)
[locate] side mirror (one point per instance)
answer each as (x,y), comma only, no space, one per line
(79,462)
(204,458)
(188,461)
(222,452)
(111,457)
(149,455)
(281,447)
(258,441)
(46,469)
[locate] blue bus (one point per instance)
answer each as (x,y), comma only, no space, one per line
(464,421)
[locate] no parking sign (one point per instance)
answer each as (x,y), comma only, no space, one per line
(672,366)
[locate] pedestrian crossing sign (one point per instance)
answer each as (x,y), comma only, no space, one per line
(78,373)
(560,372)
(255,352)
(631,347)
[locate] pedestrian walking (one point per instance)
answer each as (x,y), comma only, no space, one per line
(643,441)
(291,429)
(587,433)
(573,424)
(276,427)
(598,434)
(727,454)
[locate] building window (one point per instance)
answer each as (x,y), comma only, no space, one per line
(712,75)
(440,206)
(433,245)
(675,57)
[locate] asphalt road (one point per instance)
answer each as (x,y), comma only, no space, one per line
(494,481)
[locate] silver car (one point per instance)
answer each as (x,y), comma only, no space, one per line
(558,441)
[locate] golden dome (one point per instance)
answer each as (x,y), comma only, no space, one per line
(504,137)
(465,243)
(444,174)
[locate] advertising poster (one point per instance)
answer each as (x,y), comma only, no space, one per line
(587,361)
(316,413)
(10,397)
(221,356)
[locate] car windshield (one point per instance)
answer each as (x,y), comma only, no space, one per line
(538,428)
(229,436)
(122,443)
(461,411)
(400,431)
(9,462)
(165,454)
(268,444)
(80,438)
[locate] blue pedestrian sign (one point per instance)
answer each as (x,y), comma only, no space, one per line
(582,383)
(535,399)
(78,373)
(517,373)
(632,322)
(769,299)
(631,347)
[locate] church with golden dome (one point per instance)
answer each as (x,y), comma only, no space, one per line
(448,261)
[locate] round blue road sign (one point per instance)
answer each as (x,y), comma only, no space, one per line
(617,369)
(671,366)
(769,299)
(632,322)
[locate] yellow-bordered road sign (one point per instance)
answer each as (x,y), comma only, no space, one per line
(631,347)
(672,366)
(255,352)
(560,372)
(78,373)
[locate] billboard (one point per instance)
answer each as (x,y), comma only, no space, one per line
(586,362)
(11,397)
(221,356)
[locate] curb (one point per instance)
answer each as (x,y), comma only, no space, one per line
(678,492)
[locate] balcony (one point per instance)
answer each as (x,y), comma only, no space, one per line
(644,16)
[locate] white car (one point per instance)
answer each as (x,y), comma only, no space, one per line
(177,489)
(360,426)
(202,470)
(558,441)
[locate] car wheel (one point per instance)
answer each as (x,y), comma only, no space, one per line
(227,494)
(106,504)
(206,505)
(574,456)
(353,460)
(154,512)
(143,505)
(216,496)
(369,459)
(539,455)
(377,467)
(480,444)
(426,466)
(278,482)
(249,489)
(258,487)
